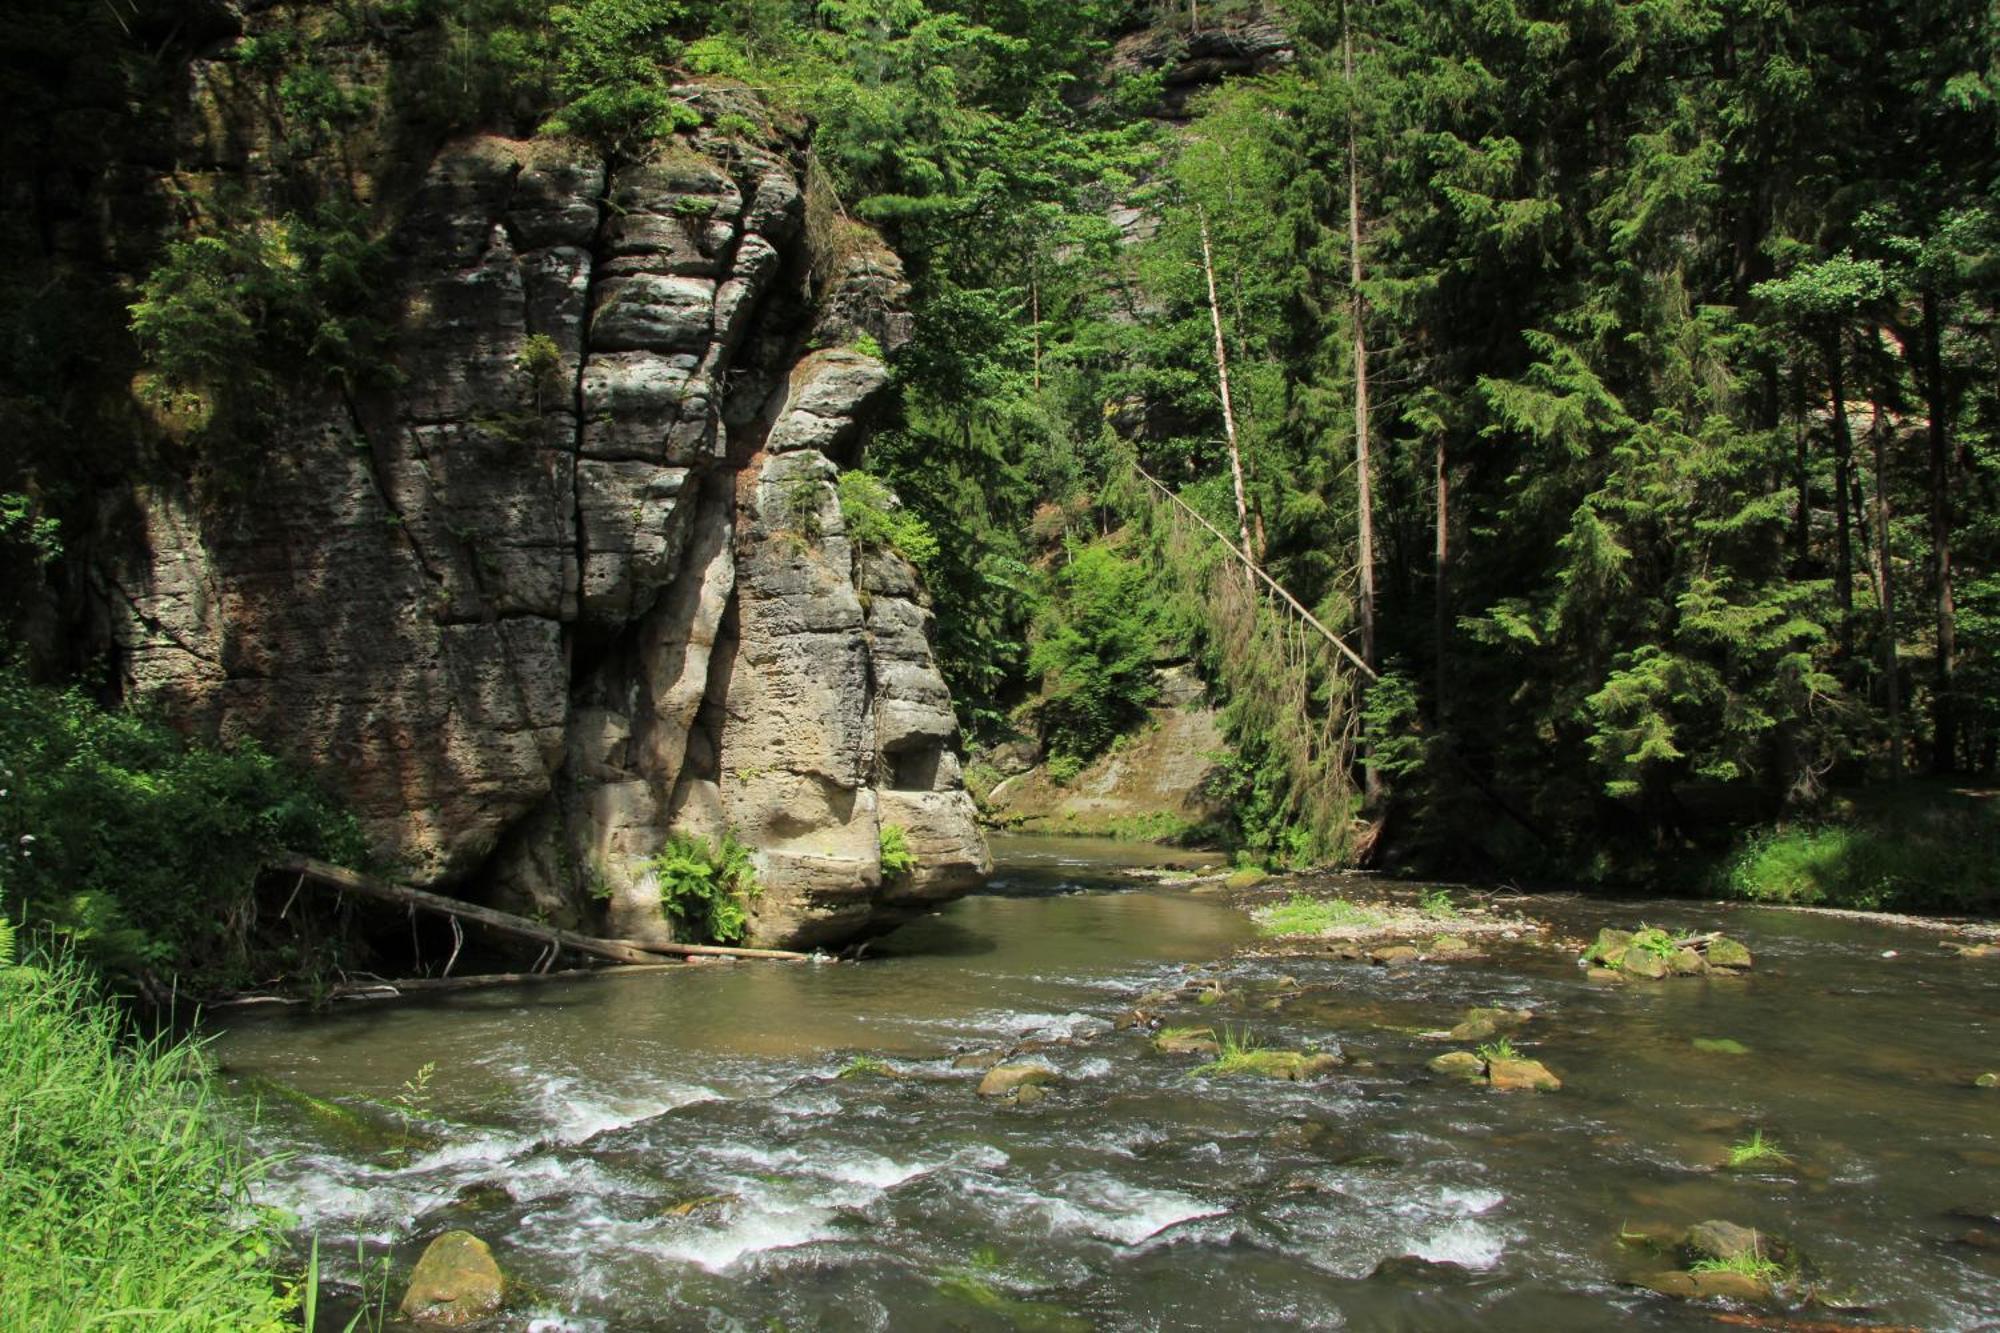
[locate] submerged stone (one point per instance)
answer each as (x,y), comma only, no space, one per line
(1987,1080)
(1003,1079)
(1451,944)
(1479,1024)
(699,1203)
(1720,1046)
(979,1060)
(1187,1041)
(1603,975)
(455,1282)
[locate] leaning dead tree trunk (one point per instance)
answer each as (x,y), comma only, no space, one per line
(1222,379)
(342,880)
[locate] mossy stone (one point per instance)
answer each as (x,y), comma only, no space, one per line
(1609,947)
(456,1282)
(1459,1064)
(1003,1079)
(1725,952)
(1642,963)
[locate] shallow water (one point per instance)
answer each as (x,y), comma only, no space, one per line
(1136,1196)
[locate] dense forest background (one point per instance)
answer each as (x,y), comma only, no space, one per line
(1617,381)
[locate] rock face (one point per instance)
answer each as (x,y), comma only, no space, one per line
(528,623)
(1162,781)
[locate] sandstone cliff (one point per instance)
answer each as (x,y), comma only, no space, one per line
(530,613)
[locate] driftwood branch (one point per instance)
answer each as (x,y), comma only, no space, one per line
(552,938)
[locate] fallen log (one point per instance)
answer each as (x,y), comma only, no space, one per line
(395,990)
(342,880)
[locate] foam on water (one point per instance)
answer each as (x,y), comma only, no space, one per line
(1094,1204)
(1464,1242)
(574,1114)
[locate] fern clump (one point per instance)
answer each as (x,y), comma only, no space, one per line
(706,888)
(897,858)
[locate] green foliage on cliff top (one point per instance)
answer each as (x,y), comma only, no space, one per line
(122,1202)
(877,520)
(138,847)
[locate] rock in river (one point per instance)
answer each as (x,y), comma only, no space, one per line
(1726,1241)
(1003,1079)
(1725,952)
(1459,1064)
(455,1282)
(1521,1075)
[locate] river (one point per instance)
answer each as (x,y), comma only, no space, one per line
(573,1124)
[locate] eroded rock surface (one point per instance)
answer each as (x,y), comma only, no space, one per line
(529,623)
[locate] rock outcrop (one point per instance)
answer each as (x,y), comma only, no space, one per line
(580,578)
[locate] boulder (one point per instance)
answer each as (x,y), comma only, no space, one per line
(979,1060)
(1609,947)
(1726,1241)
(1003,1079)
(1687,963)
(1451,944)
(1479,1024)
(454,1283)
(1459,1064)
(1727,953)
(1604,976)
(1643,963)
(1521,1076)
(1393,955)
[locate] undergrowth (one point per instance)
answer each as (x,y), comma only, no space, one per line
(1929,849)
(122,1204)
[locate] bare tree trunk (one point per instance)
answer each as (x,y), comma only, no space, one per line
(1843,471)
(1801,476)
(1944,719)
(1441,571)
(1885,583)
(1363,480)
(1222,379)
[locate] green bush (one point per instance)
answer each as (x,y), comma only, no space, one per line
(122,1203)
(137,847)
(706,889)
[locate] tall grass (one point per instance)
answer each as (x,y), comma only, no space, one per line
(122,1204)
